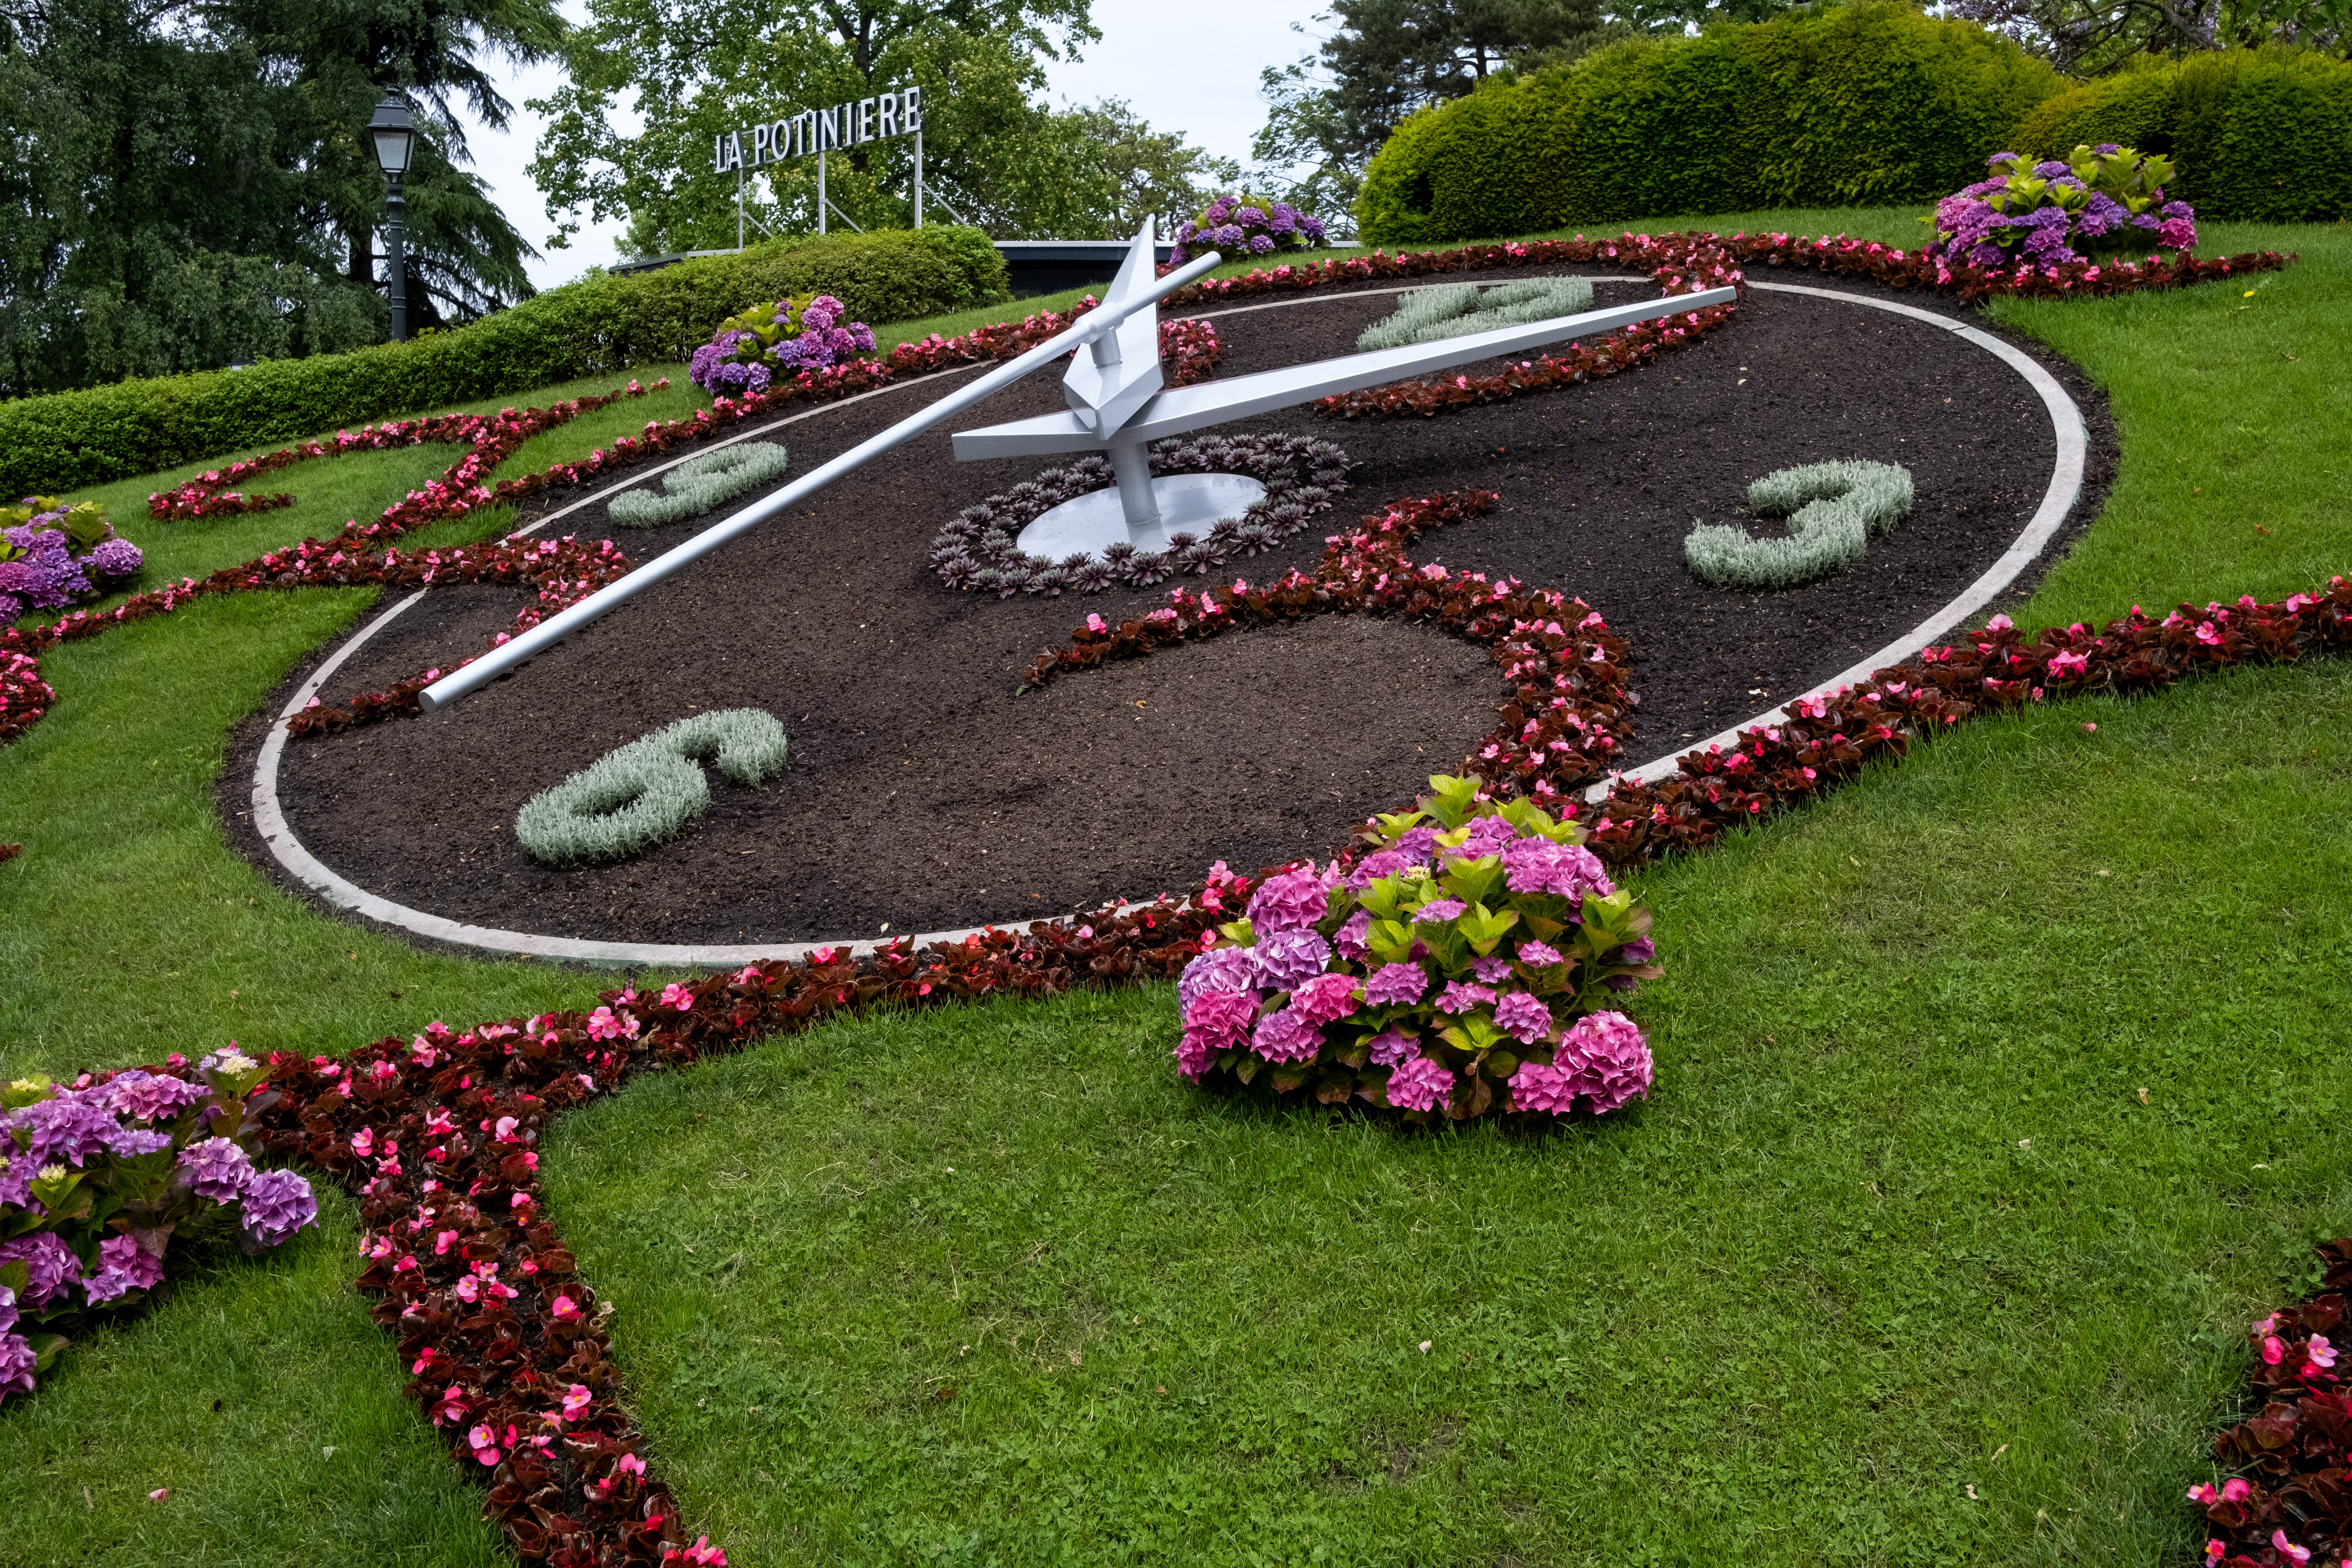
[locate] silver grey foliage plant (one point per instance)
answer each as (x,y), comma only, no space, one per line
(701,483)
(1457,309)
(646,792)
(1833,510)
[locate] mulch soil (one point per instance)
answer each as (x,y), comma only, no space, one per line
(922,792)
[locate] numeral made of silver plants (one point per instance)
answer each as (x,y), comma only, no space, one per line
(645,793)
(1833,510)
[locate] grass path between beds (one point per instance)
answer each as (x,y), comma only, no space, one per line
(1921,973)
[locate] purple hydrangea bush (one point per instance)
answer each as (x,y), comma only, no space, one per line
(1460,968)
(780,337)
(52,553)
(1237,226)
(96,1178)
(2104,201)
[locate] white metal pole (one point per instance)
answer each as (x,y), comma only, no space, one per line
(820,183)
(1104,318)
(738,206)
(919,176)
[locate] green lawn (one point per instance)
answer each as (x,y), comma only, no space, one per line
(1802,1299)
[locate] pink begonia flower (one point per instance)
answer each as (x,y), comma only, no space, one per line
(2237,1489)
(2268,1325)
(2213,1551)
(629,1465)
(701,1554)
(1325,998)
(604,1024)
(2203,1492)
(677,996)
(564,1309)
(470,1289)
(1538,1086)
(1392,1045)
(159,1494)
(1420,1084)
(484,1442)
(2288,1548)
(2320,1353)
(575,1399)
(2273,1349)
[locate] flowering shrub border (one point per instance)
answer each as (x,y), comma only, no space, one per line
(1628,348)
(2291,1501)
(1188,349)
(977,551)
(1686,262)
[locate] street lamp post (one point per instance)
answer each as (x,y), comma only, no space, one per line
(395,137)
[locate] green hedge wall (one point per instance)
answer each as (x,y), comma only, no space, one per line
(1871,102)
(64,441)
(2261,135)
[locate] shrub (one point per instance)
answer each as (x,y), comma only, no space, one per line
(697,485)
(631,799)
(1241,225)
(1832,507)
(2108,201)
(792,335)
(52,553)
(1870,103)
(1456,970)
(601,323)
(1456,310)
(2261,135)
(97,1179)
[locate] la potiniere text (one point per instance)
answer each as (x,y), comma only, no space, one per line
(813,131)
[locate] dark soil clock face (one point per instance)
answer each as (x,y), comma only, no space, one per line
(922,792)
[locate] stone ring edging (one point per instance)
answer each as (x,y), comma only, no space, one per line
(269,821)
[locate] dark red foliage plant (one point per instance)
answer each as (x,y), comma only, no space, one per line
(2289,1502)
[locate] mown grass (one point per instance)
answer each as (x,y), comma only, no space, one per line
(1956,973)
(912,1290)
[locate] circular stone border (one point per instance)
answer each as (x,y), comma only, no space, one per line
(2058,500)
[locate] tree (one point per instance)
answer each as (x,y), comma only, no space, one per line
(187,184)
(993,154)
(1382,60)
(2086,37)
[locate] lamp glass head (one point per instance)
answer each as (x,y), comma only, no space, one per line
(394,134)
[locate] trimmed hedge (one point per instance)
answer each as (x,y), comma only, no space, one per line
(1868,103)
(2261,135)
(608,322)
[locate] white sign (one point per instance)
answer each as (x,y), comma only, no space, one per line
(818,131)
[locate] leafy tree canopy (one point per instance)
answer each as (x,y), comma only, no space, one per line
(653,82)
(187,184)
(2088,37)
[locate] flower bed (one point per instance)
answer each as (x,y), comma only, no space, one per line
(1188,349)
(97,1179)
(1454,972)
(978,549)
(792,335)
(1686,263)
(1628,348)
(52,553)
(2290,1502)
(2106,200)
(1231,223)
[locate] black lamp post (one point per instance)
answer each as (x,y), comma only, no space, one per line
(395,137)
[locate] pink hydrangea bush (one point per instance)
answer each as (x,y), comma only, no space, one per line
(2102,202)
(98,1177)
(778,337)
(1457,965)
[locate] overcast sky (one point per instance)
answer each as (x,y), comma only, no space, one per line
(1191,68)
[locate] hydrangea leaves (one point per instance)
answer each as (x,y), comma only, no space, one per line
(1834,509)
(645,793)
(701,483)
(1455,309)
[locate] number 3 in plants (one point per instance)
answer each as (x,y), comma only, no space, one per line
(631,799)
(1834,509)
